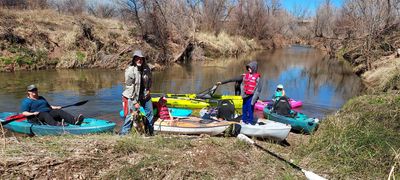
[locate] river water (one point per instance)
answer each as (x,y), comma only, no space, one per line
(323,85)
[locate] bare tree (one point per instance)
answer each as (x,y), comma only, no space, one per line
(103,10)
(22,4)
(73,7)
(324,19)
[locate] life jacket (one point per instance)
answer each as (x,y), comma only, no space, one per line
(278,94)
(164,113)
(250,82)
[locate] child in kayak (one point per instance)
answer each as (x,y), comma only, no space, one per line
(279,92)
(162,109)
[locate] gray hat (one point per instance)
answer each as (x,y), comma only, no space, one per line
(138,53)
(31,87)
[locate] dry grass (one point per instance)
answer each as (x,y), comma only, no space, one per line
(225,44)
(360,141)
(108,156)
(386,76)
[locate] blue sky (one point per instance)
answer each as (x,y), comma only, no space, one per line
(311,5)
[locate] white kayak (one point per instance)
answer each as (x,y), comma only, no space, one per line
(192,125)
(266,129)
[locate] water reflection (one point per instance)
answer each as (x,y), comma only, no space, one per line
(322,84)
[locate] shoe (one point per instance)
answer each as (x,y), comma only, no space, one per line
(79,119)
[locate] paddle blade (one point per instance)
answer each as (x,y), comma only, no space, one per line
(244,138)
(312,176)
(81,103)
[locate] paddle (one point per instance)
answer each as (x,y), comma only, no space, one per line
(310,175)
(20,116)
(210,91)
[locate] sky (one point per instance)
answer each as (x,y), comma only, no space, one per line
(311,5)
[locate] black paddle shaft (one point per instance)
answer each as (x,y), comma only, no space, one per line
(76,104)
(280,158)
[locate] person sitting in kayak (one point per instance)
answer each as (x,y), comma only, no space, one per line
(162,109)
(238,81)
(38,110)
(280,92)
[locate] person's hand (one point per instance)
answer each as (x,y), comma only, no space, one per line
(137,106)
(55,107)
(35,113)
(218,83)
(147,93)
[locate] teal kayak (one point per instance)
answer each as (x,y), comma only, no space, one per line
(175,112)
(89,126)
(300,123)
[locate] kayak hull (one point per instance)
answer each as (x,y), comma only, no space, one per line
(89,126)
(192,126)
(301,123)
(261,105)
(175,112)
(266,129)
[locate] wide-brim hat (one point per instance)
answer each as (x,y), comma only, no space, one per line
(138,53)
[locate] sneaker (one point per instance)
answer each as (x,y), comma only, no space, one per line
(79,119)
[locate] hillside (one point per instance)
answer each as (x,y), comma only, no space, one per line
(45,39)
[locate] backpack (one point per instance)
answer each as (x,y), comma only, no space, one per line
(226,109)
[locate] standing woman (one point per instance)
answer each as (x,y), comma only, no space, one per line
(130,95)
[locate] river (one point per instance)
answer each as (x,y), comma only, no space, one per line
(323,85)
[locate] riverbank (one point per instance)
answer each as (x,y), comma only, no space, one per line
(45,39)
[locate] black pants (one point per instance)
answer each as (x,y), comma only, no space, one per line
(53,117)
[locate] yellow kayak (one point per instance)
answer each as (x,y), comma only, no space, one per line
(191,101)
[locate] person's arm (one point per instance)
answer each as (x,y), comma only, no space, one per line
(257,91)
(239,78)
(26,110)
(283,93)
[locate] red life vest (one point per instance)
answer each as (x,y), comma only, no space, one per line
(250,82)
(164,113)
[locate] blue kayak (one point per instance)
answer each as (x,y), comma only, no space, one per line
(175,112)
(89,126)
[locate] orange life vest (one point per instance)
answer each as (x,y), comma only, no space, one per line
(250,82)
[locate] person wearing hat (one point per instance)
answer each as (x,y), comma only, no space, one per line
(280,92)
(137,92)
(38,110)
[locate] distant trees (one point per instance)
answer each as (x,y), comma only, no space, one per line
(73,7)
(24,4)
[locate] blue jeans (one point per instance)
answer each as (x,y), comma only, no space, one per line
(248,110)
(148,110)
